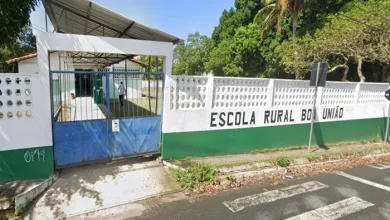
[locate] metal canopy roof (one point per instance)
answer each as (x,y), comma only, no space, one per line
(85,60)
(88,18)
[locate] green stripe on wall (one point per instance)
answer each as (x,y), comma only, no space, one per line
(20,165)
(244,140)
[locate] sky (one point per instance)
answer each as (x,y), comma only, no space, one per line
(176,17)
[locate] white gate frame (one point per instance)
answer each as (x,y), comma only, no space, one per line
(47,42)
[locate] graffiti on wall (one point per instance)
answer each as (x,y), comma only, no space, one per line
(37,155)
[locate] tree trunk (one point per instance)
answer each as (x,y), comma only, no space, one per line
(359,70)
(376,72)
(294,25)
(385,68)
(279,27)
(346,69)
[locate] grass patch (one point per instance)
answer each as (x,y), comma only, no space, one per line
(281,149)
(283,161)
(195,175)
(271,150)
(343,153)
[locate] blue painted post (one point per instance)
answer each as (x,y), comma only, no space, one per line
(108,119)
(108,94)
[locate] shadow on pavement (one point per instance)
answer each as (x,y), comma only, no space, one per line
(87,188)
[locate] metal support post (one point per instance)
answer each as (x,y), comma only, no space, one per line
(313,112)
(387,125)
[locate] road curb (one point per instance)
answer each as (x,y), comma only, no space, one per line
(23,199)
(168,165)
(299,161)
(239,176)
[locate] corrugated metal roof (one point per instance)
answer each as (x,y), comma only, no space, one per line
(85,59)
(88,18)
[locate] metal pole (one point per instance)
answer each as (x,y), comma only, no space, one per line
(313,111)
(156,86)
(114,88)
(46,20)
(150,105)
(127,88)
(80,76)
(387,125)
(66,23)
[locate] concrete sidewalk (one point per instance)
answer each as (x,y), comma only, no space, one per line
(251,158)
(90,188)
(9,190)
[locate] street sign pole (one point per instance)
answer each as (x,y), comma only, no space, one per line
(387,126)
(387,96)
(313,111)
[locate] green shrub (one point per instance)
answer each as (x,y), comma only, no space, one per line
(283,161)
(195,175)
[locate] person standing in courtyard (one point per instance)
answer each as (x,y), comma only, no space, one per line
(122,91)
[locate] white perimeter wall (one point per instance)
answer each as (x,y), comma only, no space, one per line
(209,103)
(25,132)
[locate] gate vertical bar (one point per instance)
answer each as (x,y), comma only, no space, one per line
(150,107)
(113,85)
(90,79)
(51,104)
(85,97)
(81,108)
(126,110)
(107,94)
(156,86)
(60,86)
(136,81)
(108,110)
(132,94)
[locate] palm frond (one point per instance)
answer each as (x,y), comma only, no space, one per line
(268,2)
(263,13)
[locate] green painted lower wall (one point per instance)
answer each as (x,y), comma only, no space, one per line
(236,141)
(26,164)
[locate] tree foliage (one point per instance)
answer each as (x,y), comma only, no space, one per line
(190,57)
(234,18)
(274,13)
(24,44)
(344,38)
(239,55)
(282,38)
(14,16)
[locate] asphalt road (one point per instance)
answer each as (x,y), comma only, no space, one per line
(358,193)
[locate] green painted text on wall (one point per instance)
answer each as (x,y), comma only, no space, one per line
(26,164)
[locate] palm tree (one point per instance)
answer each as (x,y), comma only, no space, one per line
(294,7)
(273,13)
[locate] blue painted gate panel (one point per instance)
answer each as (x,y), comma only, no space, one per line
(136,136)
(91,140)
(80,141)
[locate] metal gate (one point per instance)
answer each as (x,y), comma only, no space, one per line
(93,122)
